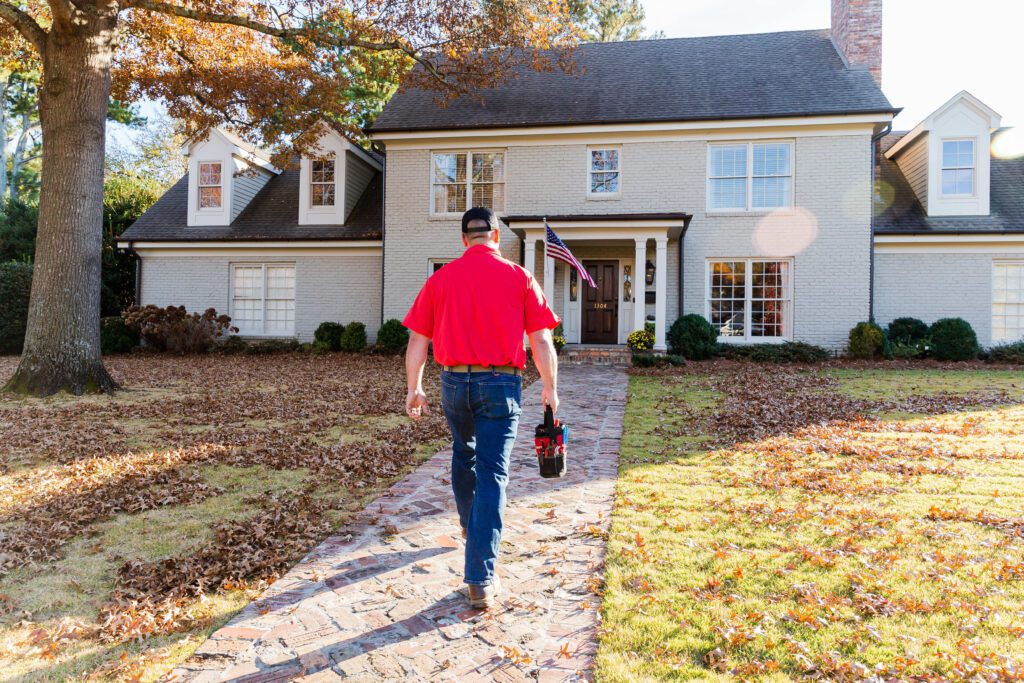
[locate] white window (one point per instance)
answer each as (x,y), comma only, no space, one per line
(756,176)
(321,191)
(263,299)
(460,180)
(749,299)
(603,172)
(958,167)
(436,264)
(1008,302)
(210,185)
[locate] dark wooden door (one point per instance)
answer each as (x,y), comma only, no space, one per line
(601,303)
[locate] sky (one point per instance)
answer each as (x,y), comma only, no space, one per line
(931,49)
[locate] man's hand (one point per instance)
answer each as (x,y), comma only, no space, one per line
(416,404)
(549,397)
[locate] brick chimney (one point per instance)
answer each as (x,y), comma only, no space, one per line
(857,32)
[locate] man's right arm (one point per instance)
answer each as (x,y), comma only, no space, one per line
(545,357)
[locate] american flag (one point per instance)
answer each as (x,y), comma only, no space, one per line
(556,249)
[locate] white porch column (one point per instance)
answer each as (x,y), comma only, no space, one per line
(639,287)
(661,292)
(530,255)
(549,278)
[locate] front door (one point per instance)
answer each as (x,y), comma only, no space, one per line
(601,303)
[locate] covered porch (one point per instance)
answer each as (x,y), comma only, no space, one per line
(634,260)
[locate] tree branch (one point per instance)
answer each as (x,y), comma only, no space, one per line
(25,25)
(61,10)
(317,36)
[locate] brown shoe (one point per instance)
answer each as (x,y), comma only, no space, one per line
(484,597)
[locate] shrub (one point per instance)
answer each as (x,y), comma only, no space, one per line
(787,352)
(692,337)
(115,337)
(904,351)
(907,331)
(649,327)
(15,287)
(265,346)
(867,340)
(353,339)
(672,359)
(176,330)
(559,341)
(646,360)
(317,348)
(1007,353)
(233,344)
(954,339)
(330,334)
(392,336)
(640,340)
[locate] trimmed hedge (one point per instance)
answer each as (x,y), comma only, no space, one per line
(787,352)
(907,331)
(329,334)
(353,339)
(1007,353)
(656,360)
(115,337)
(867,340)
(954,339)
(392,336)
(15,288)
(692,337)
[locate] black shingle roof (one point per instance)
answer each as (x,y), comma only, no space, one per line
(905,213)
(795,73)
(272,215)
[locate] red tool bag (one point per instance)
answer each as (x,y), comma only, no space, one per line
(550,439)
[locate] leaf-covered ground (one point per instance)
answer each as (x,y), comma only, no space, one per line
(841,523)
(133,525)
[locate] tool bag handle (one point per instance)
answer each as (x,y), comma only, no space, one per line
(549,418)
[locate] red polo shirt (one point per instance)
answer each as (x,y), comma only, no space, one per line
(477,308)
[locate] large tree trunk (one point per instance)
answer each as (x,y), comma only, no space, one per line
(62,340)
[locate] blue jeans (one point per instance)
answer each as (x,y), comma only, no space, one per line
(483,410)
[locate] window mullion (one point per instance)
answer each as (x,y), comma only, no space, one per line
(263,303)
(750,176)
(748,295)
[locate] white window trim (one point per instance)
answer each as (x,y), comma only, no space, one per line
(599,196)
(263,298)
(322,208)
(750,176)
(199,187)
(973,167)
(787,323)
(434,261)
(992,310)
(469,178)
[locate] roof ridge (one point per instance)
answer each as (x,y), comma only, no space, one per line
(707,37)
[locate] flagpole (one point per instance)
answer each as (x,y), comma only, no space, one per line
(549,269)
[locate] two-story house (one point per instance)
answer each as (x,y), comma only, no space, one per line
(727,176)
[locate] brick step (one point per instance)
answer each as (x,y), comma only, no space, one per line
(596,355)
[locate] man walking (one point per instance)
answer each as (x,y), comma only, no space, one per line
(476,310)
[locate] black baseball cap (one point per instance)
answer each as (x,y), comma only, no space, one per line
(479,213)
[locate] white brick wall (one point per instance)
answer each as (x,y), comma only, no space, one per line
(930,286)
(334,287)
(832,181)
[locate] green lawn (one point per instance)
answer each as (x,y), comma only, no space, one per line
(783,523)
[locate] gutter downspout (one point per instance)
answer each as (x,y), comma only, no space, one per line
(138,276)
(383,234)
(871,269)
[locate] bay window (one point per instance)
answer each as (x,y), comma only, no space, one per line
(754,176)
(263,299)
(1008,302)
(460,180)
(749,299)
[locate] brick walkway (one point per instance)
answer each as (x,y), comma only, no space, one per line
(384,600)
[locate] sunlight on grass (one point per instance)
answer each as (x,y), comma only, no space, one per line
(887,548)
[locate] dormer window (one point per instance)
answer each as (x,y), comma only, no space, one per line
(322,183)
(210,185)
(958,167)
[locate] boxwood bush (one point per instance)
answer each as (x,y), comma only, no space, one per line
(907,331)
(330,334)
(954,339)
(787,352)
(867,340)
(392,337)
(692,337)
(115,337)
(15,287)
(353,339)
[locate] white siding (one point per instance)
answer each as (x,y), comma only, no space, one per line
(332,286)
(913,161)
(358,175)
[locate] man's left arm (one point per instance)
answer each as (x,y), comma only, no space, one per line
(415,360)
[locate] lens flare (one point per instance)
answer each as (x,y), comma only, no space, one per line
(885,194)
(785,233)
(1008,144)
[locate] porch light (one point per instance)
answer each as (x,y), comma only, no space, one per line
(650,272)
